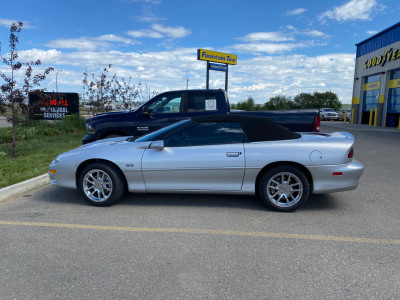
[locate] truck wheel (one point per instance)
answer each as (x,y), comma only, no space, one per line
(283,188)
(101,184)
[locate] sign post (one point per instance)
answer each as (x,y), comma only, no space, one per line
(222,60)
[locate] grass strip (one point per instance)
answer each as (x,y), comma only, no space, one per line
(38,143)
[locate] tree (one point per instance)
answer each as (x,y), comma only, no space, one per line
(318,100)
(129,95)
(247,105)
(15,88)
(99,90)
(279,102)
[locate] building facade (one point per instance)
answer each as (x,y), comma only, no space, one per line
(376,88)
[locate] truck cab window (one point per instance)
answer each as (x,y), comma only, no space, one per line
(202,102)
(167,104)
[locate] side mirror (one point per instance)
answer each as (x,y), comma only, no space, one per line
(157,145)
(145,110)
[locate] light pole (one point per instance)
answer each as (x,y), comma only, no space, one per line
(56,80)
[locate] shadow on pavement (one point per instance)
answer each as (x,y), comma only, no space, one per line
(65,196)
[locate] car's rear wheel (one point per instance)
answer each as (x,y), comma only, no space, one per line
(283,188)
(101,184)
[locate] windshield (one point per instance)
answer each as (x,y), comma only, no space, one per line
(329,109)
(159,134)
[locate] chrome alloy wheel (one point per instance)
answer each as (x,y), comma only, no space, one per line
(284,189)
(97,185)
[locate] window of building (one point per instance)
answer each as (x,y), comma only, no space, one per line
(372,85)
(393,103)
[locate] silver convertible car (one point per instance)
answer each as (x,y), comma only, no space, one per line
(219,154)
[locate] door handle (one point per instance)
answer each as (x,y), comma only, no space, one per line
(233,154)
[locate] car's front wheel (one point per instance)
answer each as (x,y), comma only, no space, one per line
(101,184)
(283,188)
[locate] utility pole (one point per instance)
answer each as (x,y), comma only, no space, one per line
(56,80)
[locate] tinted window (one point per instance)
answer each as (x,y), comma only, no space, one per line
(163,132)
(202,102)
(170,103)
(209,133)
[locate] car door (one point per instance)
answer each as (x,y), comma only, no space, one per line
(204,157)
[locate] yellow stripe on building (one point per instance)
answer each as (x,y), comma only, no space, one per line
(355,100)
(372,86)
(395,83)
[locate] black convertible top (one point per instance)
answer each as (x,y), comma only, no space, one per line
(256,128)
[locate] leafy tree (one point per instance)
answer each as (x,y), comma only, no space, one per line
(279,102)
(318,100)
(247,105)
(305,100)
(329,99)
(15,87)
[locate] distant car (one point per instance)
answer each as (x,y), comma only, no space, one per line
(341,114)
(219,154)
(328,114)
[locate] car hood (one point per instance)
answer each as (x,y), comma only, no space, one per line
(108,142)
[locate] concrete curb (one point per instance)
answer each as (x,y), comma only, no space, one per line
(23,187)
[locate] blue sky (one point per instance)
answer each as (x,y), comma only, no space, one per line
(283,47)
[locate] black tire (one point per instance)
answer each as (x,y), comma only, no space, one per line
(101,184)
(283,188)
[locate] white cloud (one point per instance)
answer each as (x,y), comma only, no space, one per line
(352,10)
(8,22)
(266,36)
(260,77)
(372,32)
(315,33)
(91,43)
(297,11)
(173,32)
(270,48)
(158,31)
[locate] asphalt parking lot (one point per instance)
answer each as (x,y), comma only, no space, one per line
(338,246)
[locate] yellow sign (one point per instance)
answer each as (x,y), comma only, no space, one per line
(372,86)
(389,55)
(355,100)
(395,83)
(224,58)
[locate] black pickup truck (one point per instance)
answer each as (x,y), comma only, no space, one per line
(170,107)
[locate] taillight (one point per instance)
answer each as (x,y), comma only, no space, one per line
(317,123)
(351,153)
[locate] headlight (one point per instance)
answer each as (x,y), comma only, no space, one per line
(89,129)
(55,161)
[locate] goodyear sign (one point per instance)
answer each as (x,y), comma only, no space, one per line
(219,57)
(218,67)
(389,55)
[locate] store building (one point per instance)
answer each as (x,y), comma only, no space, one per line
(376,88)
